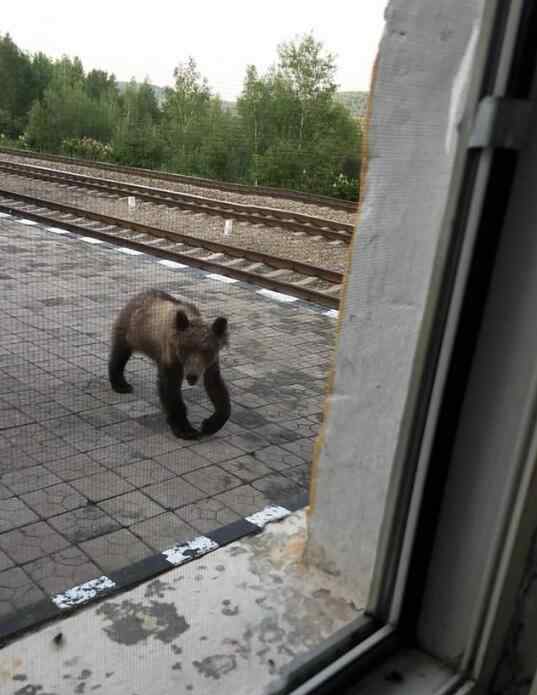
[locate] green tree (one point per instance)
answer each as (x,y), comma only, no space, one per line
(310,75)
(137,139)
(16,91)
(186,114)
(67,111)
(101,85)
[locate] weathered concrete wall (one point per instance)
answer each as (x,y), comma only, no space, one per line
(417,97)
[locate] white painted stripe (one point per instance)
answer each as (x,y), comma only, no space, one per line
(30,223)
(221,278)
(57,230)
(278,296)
(91,240)
(83,593)
(185,552)
(333,313)
(172,264)
(265,516)
(130,252)
(4,214)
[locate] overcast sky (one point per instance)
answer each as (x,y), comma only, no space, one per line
(147,39)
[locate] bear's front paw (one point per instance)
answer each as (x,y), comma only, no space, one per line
(123,387)
(184,431)
(212,424)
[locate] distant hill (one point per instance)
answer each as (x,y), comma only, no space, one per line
(356,102)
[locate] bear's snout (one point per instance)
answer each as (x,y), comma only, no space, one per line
(192,379)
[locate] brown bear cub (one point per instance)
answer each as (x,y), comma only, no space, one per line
(172,333)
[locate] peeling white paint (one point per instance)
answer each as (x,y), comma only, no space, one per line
(265,516)
(221,278)
(187,551)
(278,296)
(332,313)
(84,592)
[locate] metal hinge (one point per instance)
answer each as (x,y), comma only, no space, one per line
(501,123)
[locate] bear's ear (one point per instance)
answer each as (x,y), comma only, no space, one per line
(181,321)
(219,326)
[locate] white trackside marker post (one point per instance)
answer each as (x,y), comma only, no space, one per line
(132,202)
(228,227)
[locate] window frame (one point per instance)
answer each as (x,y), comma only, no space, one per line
(504,65)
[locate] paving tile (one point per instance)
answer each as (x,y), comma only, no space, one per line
(247,441)
(115,455)
(216,450)
(247,468)
(130,508)
(54,500)
(277,458)
(300,474)
(84,523)
(31,542)
(244,500)
(100,417)
(182,461)
(207,515)
(305,427)
(174,493)
(212,480)
(63,570)
(125,431)
(276,487)
(9,417)
(116,550)
(145,473)
(138,409)
(5,562)
(29,479)
(73,467)
(157,445)
(14,513)
(164,531)
(17,591)
(5,493)
(249,419)
(274,434)
(302,448)
(101,486)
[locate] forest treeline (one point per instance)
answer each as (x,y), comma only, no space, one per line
(286,128)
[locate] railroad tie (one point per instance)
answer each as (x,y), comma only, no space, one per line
(278,273)
(235,262)
(306,281)
(254,267)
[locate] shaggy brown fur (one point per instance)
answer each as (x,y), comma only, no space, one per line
(173,334)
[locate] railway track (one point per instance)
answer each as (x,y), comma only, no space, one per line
(302,280)
(244,189)
(269,217)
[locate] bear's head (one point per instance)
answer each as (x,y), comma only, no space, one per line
(199,344)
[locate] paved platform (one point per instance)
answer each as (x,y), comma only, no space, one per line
(92,481)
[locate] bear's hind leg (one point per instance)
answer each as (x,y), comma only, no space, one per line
(169,389)
(119,356)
